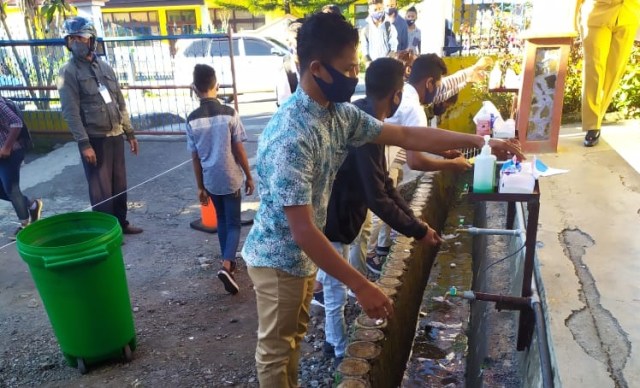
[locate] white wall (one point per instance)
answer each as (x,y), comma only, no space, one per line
(553,16)
(431,21)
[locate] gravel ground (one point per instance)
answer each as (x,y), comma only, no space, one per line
(190,332)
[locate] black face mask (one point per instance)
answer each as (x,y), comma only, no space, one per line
(342,87)
(439,109)
(394,106)
(410,22)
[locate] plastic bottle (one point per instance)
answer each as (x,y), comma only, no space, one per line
(484,170)
(483,125)
(495,77)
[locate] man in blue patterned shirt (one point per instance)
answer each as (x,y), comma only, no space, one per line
(299,153)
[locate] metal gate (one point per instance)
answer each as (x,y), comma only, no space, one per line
(155,74)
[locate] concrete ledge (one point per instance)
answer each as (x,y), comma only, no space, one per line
(403,278)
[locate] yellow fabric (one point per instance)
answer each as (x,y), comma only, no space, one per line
(283,315)
(608,30)
(610,13)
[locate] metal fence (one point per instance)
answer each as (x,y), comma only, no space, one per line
(154,73)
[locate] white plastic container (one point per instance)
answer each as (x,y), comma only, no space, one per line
(521,183)
(506,130)
(495,77)
(484,169)
(483,125)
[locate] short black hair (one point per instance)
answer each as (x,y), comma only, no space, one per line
(427,66)
(294,25)
(323,36)
(383,76)
(374,2)
(204,78)
(412,9)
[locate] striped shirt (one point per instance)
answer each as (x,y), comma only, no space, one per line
(411,112)
(211,129)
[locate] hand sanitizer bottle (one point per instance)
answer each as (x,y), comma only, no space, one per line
(484,170)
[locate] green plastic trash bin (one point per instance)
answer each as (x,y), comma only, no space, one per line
(76,262)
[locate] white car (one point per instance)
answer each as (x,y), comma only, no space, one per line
(257,61)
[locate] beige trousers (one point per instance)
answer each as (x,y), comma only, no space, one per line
(283,315)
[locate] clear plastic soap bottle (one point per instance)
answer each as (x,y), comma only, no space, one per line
(484,170)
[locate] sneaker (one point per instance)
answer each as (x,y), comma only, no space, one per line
(382,251)
(14,236)
(35,214)
(229,281)
(318,299)
(328,350)
(374,264)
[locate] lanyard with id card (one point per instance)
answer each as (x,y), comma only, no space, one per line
(104,92)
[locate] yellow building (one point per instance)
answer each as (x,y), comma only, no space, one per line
(173,17)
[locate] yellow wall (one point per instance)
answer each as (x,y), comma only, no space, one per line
(162,15)
(459,118)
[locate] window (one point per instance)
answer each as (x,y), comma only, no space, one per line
(361,13)
(220,47)
(255,47)
(181,22)
(275,42)
(131,23)
(237,20)
(197,48)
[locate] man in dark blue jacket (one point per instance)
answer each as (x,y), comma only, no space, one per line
(363,183)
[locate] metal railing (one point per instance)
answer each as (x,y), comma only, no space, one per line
(155,73)
(527,302)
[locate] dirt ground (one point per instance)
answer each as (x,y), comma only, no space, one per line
(190,332)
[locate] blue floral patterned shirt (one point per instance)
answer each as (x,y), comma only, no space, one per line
(299,153)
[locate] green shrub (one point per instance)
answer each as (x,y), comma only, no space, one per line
(627,98)
(626,101)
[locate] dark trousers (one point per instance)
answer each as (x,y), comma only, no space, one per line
(228,212)
(108,178)
(10,184)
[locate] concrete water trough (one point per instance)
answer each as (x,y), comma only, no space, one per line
(379,350)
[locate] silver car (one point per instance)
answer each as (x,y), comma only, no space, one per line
(257,60)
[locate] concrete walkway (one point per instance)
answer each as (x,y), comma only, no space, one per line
(590,257)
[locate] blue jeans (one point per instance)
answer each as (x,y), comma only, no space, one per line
(335,300)
(10,184)
(228,213)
